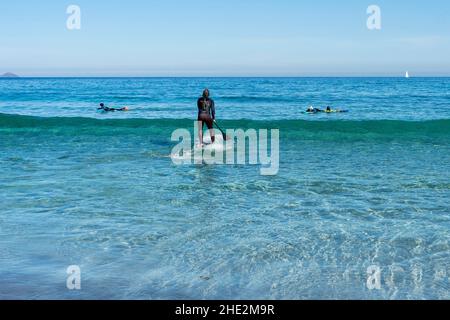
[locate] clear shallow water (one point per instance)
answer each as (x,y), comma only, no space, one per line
(354,190)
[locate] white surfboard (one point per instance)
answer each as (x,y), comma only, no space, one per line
(208,148)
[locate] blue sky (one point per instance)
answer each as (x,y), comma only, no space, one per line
(224,38)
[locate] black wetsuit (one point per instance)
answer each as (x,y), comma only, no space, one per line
(206,111)
(315,110)
(108,109)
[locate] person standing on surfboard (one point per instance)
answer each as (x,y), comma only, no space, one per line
(206,115)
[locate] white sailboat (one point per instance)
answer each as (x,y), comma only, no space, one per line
(407,75)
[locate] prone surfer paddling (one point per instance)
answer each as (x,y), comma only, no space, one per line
(206,115)
(313,110)
(108,109)
(328,110)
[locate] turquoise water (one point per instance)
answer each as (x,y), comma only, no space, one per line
(368,187)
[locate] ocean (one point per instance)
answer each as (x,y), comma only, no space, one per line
(356,192)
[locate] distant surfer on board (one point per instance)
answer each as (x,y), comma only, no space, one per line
(206,115)
(108,109)
(329,110)
(311,109)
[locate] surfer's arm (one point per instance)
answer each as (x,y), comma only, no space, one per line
(213,110)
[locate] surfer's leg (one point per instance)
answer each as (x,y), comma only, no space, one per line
(200,131)
(213,137)
(209,123)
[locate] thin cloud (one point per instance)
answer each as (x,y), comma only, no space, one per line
(424,41)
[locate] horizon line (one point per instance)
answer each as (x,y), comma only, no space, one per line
(221,76)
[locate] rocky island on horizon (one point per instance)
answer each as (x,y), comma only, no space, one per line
(9,75)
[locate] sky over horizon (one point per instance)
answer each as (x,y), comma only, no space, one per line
(225,38)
